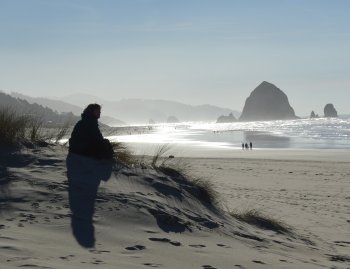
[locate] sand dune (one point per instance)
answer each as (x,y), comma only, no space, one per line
(145,218)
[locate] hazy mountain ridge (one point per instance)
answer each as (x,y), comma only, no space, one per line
(55,105)
(143,110)
(130,111)
(64,107)
(45,114)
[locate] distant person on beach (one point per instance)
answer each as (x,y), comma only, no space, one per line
(251,145)
(243,146)
(246,146)
(86,138)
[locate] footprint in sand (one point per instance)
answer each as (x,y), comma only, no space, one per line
(159,239)
(197,246)
(151,232)
(67,258)
(152,264)
(223,246)
(208,267)
(97,262)
(165,240)
(259,262)
(16,259)
(35,205)
(342,243)
(285,261)
(95,251)
(339,258)
(136,247)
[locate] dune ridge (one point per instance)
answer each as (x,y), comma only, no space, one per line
(144,218)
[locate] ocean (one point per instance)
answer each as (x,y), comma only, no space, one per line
(318,133)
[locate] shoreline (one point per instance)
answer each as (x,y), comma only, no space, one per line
(183,151)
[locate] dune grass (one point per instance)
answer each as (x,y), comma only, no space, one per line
(178,170)
(62,132)
(18,130)
(12,128)
(258,219)
(35,130)
(159,155)
(123,155)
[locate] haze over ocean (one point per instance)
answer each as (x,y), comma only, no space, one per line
(321,133)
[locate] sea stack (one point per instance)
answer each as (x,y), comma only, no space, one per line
(226,119)
(267,102)
(330,112)
(313,115)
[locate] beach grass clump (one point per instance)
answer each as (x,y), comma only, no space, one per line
(123,154)
(159,155)
(12,128)
(35,130)
(258,219)
(18,130)
(200,188)
(206,191)
(56,134)
(62,132)
(178,170)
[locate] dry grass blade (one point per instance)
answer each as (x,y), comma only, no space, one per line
(160,151)
(17,130)
(35,126)
(206,191)
(256,218)
(62,132)
(12,127)
(123,154)
(200,188)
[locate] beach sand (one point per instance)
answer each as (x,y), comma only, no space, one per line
(146,219)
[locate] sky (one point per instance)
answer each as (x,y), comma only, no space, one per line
(192,51)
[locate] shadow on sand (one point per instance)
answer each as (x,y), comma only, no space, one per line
(10,158)
(84,176)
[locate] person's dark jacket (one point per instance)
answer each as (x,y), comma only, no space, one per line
(86,138)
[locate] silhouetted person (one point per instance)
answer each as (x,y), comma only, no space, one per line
(86,138)
(90,160)
(246,146)
(243,146)
(251,145)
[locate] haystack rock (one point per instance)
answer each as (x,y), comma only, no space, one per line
(226,119)
(330,112)
(267,102)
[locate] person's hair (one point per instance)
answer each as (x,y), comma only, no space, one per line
(91,108)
